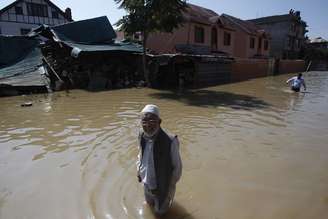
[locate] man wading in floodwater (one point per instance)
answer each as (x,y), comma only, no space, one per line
(296,83)
(159,163)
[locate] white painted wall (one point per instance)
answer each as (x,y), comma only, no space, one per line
(11,24)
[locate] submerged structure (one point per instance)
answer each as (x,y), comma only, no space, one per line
(84,54)
(80,54)
(21,66)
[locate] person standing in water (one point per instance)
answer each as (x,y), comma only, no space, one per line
(296,82)
(159,164)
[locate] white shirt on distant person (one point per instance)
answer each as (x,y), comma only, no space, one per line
(296,82)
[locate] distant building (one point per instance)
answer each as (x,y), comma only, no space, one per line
(202,33)
(318,43)
(21,16)
(287,34)
(251,41)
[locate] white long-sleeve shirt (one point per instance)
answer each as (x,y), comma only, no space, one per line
(296,82)
(146,168)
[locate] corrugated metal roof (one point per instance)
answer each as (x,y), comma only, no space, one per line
(113,47)
(29,64)
(90,31)
(15,48)
(23,68)
(92,35)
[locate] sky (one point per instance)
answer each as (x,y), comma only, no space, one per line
(314,13)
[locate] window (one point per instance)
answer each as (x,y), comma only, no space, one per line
(266,45)
(291,42)
(137,36)
(25,31)
(298,43)
(260,43)
(252,43)
(293,27)
(34,9)
(55,14)
(199,35)
(18,10)
(226,39)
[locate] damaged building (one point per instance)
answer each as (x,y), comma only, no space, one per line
(80,54)
(21,68)
(84,54)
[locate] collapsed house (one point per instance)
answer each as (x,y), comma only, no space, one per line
(21,69)
(84,54)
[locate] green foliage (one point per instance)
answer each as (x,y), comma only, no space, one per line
(150,16)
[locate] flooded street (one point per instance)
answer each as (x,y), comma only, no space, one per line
(250,150)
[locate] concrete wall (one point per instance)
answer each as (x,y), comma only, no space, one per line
(243,69)
(319,65)
(278,33)
(291,66)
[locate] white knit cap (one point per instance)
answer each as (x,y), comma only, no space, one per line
(151,108)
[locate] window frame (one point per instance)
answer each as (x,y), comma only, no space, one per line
(53,12)
(226,38)
(266,45)
(19,10)
(37,10)
(252,42)
(259,46)
(199,34)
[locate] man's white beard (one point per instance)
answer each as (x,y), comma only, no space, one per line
(150,135)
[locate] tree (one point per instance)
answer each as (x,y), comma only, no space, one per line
(149,16)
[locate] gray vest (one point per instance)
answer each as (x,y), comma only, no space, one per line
(162,162)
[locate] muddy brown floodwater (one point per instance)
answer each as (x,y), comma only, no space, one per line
(250,150)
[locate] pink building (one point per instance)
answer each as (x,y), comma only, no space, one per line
(251,41)
(204,32)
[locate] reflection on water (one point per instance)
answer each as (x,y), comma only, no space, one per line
(250,150)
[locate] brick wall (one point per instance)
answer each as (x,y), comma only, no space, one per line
(243,69)
(291,66)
